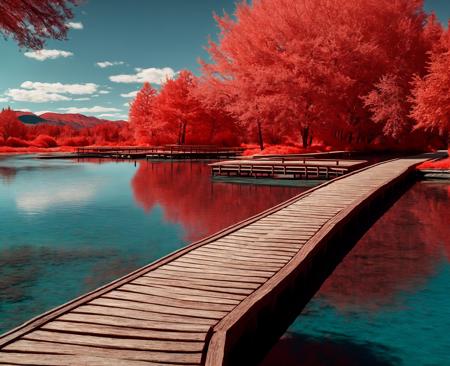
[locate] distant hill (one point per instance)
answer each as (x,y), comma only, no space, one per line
(60,119)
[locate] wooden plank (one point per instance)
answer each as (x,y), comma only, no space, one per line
(250,258)
(268,245)
(138,300)
(193,295)
(114,342)
(159,300)
(16,358)
(114,330)
(246,253)
(184,266)
(229,263)
(125,354)
(208,276)
(189,279)
(266,251)
(261,244)
(131,322)
(160,312)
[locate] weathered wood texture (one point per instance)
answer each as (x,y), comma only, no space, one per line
(300,168)
(191,307)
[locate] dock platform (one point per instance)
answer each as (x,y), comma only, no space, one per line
(192,152)
(220,301)
(304,168)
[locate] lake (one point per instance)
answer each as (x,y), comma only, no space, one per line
(68,227)
(388,301)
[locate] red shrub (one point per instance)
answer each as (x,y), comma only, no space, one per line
(16,142)
(73,141)
(44,141)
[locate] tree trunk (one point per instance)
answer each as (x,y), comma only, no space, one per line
(304,136)
(183,133)
(448,140)
(260,136)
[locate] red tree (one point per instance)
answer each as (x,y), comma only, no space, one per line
(177,108)
(431,100)
(296,68)
(10,126)
(142,114)
(30,22)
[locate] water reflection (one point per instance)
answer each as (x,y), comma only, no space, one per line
(297,349)
(188,196)
(388,302)
(397,255)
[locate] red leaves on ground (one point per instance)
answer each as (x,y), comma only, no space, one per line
(439,164)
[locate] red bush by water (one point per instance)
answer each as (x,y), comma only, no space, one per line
(44,141)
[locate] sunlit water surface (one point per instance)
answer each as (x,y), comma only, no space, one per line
(68,227)
(388,302)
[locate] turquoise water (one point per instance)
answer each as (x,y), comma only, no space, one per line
(388,302)
(67,227)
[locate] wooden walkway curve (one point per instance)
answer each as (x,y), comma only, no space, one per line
(191,307)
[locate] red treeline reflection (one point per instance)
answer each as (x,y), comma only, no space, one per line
(398,253)
(187,196)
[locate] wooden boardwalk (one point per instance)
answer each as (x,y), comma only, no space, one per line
(301,168)
(155,152)
(202,303)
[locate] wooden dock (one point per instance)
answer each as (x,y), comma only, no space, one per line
(304,168)
(193,152)
(220,301)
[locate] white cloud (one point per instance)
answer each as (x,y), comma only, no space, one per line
(104,64)
(23,110)
(42,55)
(76,89)
(130,94)
(151,75)
(34,96)
(95,109)
(37,92)
(2,100)
(38,113)
(104,92)
(113,115)
(127,104)
(82,99)
(75,25)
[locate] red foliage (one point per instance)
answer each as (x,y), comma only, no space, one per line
(30,22)
(295,69)
(439,164)
(10,126)
(431,93)
(44,141)
(142,115)
(16,142)
(15,134)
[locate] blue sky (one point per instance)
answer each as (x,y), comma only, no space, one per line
(146,39)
